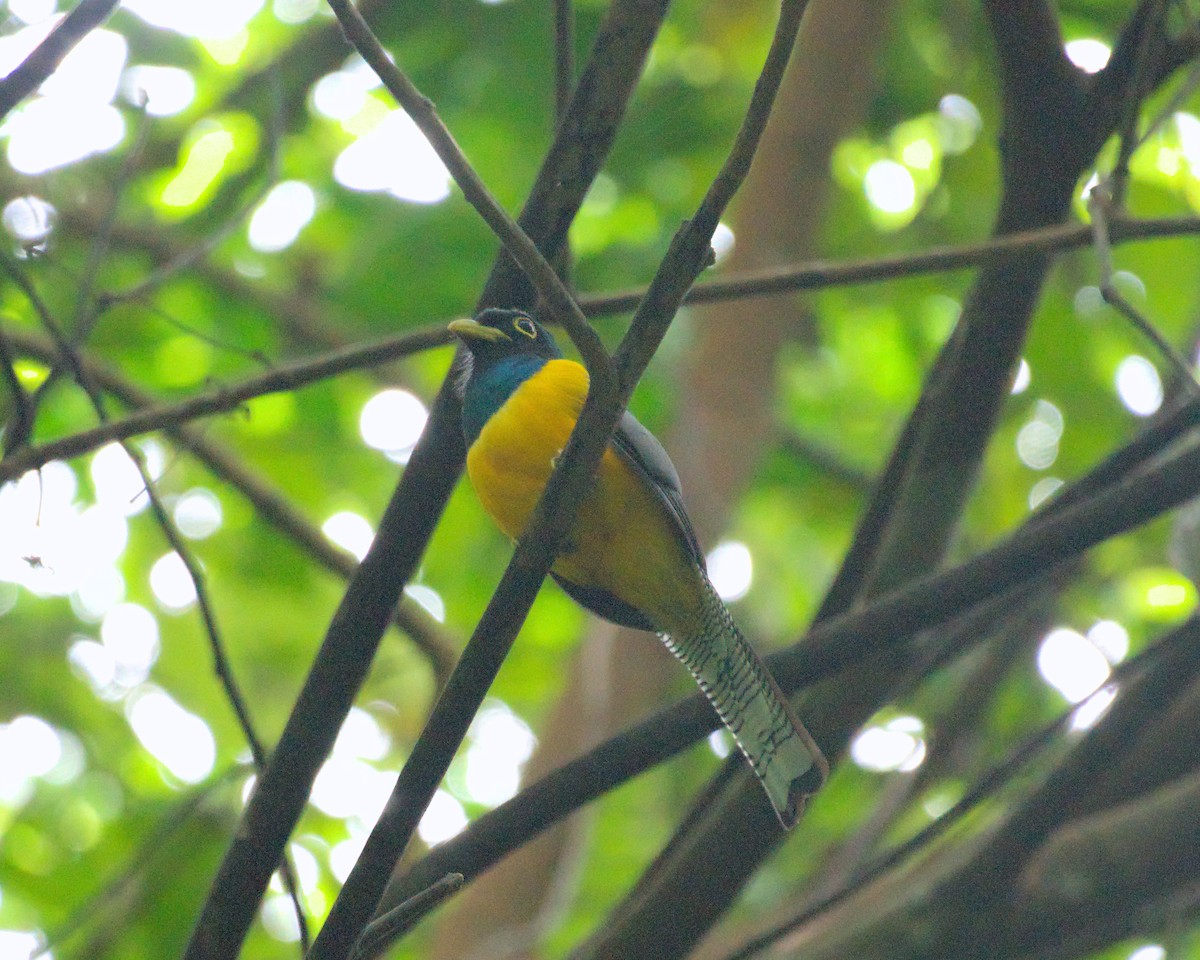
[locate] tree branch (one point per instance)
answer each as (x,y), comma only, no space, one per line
(1076,519)
(223,399)
(430,637)
(548,527)
(420,108)
(35,68)
(582,142)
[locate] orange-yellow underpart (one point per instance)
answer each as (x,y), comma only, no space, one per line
(623,540)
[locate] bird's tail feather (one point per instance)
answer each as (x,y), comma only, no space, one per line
(751,705)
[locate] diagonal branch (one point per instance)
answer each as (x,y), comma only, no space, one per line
(1079,517)
(420,108)
(223,399)
(536,551)
(35,68)
(430,637)
(69,359)
(582,142)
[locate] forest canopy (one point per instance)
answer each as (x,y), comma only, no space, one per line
(910,292)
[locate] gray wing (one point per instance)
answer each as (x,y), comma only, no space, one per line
(639,448)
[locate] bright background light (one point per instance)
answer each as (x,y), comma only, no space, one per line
(284,212)
(730,570)
(1088,54)
(1139,386)
(350,531)
(211,19)
(1072,664)
(898,744)
(165,91)
(392,421)
(890,187)
(500,743)
(71,118)
(1037,440)
(28,219)
(178,739)
(396,158)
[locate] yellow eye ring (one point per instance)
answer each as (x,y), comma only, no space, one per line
(525,326)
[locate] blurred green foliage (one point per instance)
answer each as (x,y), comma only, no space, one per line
(367,265)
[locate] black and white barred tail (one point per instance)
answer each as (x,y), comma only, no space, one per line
(751,705)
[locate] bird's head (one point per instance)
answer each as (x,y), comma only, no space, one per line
(496,335)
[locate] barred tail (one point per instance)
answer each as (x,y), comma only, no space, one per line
(751,705)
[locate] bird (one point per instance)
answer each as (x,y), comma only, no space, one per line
(631,555)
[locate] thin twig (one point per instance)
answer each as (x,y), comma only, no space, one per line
(44,60)
(819,275)
(353,635)
(20,424)
(224,399)
(564,56)
(221,665)
(812,275)
(986,787)
(86,312)
(432,639)
(392,925)
(548,527)
(420,108)
(189,257)
(1152,19)
(1099,203)
(70,360)
(1076,516)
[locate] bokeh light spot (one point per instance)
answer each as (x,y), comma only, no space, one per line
(445,818)
(198,513)
(890,187)
(350,531)
(1088,54)
(898,744)
(28,219)
(178,739)
(281,216)
(165,91)
(392,421)
(500,743)
(1139,385)
(394,157)
(730,569)
(1072,664)
(171,583)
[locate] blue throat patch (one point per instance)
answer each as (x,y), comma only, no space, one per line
(489,388)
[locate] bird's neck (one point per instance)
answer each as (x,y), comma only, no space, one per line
(491,386)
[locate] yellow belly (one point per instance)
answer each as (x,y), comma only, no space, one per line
(624,539)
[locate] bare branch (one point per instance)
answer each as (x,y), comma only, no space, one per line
(400,919)
(564,56)
(35,68)
(20,423)
(820,275)
(1075,515)
(70,359)
(552,290)
(224,399)
(509,605)
(581,144)
(430,637)
(1100,202)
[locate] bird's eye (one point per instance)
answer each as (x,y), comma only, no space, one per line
(525,325)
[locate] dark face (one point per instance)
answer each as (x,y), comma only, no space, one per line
(498,334)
